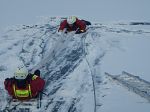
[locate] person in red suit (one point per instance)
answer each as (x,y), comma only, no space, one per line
(24,86)
(72,23)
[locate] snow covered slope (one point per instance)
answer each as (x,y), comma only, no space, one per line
(73,65)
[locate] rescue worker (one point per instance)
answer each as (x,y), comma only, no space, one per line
(72,23)
(24,86)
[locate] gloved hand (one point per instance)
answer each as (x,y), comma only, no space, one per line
(37,72)
(7,79)
(79,31)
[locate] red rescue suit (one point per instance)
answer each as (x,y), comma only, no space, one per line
(78,25)
(32,89)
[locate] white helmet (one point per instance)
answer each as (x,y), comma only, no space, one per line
(71,19)
(21,73)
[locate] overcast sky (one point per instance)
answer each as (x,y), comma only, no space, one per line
(14,12)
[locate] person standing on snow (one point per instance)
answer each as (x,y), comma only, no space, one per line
(72,23)
(23,85)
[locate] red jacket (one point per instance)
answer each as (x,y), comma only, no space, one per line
(36,85)
(78,24)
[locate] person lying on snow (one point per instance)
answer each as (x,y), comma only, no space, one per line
(72,23)
(24,86)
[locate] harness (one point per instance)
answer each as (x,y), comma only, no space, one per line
(19,93)
(24,93)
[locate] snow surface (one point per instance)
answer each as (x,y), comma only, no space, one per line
(74,65)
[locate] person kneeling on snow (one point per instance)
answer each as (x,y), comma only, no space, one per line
(23,85)
(72,23)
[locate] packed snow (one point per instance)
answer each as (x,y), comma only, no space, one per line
(74,65)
